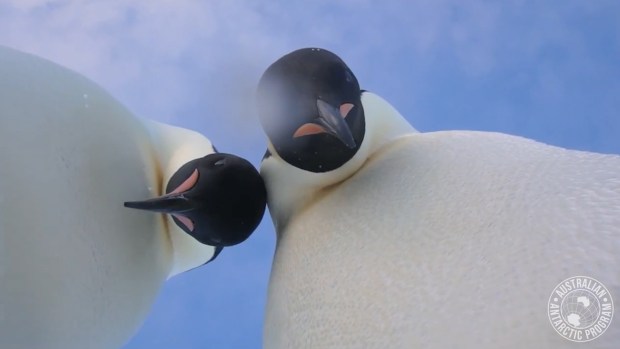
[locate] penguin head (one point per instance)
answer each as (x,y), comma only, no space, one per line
(309,104)
(322,127)
(218,199)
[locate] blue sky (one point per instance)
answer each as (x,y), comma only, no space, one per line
(543,70)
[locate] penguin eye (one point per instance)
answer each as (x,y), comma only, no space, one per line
(220,162)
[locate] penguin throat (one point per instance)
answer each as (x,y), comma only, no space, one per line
(290,189)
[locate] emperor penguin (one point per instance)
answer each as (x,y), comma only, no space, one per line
(77,268)
(392,238)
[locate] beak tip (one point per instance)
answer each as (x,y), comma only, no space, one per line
(348,142)
(129,204)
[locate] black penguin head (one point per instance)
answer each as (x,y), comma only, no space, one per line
(309,104)
(218,199)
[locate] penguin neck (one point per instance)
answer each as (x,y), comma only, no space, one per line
(383,123)
(173,147)
(291,189)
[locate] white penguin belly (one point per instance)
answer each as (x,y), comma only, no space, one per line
(447,240)
(77,269)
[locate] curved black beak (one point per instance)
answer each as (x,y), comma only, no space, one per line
(334,123)
(171,203)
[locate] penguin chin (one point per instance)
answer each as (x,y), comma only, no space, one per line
(290,187)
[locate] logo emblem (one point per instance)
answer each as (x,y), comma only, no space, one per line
(580,308)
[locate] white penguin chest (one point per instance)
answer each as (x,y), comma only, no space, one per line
(77,269)
(436,240)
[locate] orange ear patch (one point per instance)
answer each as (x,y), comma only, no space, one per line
(185,221)
(308,129)
(187,184)
(345,109)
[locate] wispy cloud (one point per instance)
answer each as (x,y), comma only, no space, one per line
(156,56)
(168,59)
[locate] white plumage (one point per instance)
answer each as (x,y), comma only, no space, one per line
(77,269)
(448,239)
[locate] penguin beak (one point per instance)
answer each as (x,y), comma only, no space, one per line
(333,122)
(171,203)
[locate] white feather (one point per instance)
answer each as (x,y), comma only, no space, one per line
(77,269)
(439,240)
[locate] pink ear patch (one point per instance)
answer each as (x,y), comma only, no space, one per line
(185,221)
(308,129)
(187,184)
(345,109)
